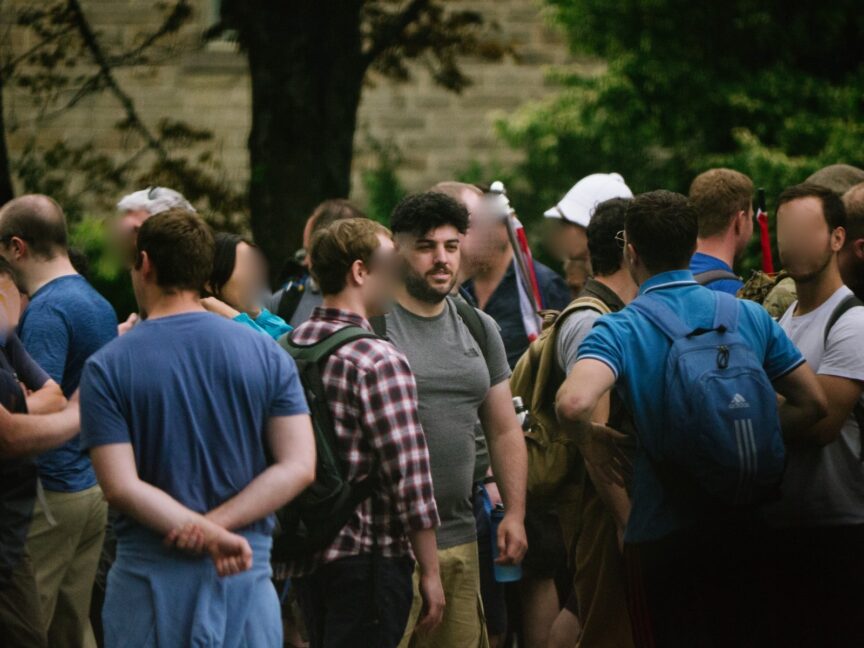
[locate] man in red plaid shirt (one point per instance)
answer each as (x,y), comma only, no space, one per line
(359,591)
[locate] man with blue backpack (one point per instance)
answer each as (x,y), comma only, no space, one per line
(698,369)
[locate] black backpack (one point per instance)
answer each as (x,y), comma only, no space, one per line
(314,518)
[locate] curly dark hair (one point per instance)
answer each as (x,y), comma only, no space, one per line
(424,212)
(609,218)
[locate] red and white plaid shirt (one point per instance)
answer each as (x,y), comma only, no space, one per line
(372,398)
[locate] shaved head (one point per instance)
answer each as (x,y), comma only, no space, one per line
(38,221)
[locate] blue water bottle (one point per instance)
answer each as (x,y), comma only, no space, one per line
(503,573)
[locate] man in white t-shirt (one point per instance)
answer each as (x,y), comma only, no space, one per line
(819,520)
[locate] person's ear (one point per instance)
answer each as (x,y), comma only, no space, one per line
(358,272)
(838,238)
(858,248)
(632,255)
(18,246)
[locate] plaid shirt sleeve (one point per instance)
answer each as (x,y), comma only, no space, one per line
(389,394)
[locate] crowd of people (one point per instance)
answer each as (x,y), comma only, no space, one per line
(423,437)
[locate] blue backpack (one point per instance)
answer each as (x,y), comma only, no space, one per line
(722,428)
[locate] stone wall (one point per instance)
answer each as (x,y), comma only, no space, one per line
(437,132)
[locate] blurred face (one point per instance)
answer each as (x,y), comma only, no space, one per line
(10,304)
(383,276)
(430,263)
(576,273)
(243,290)
(807,244)
(485,241)
(125,233)
(567,241)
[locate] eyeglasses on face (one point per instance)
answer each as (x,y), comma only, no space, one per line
(621,239)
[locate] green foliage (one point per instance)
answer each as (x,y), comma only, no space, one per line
(381,183)
(104,269)
(773,89)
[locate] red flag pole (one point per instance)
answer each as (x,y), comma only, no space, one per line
(764,233)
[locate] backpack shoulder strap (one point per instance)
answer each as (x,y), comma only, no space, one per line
(710,276)
(472,320)
(841,309)
(315,353)
(290,300)
(661,316)
(726,312)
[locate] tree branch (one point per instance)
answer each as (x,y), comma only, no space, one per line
(133,119)
(392,30)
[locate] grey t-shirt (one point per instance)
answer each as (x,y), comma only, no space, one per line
(825,486)
(573,331)
(453,380)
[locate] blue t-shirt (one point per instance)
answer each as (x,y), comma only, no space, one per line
(706,263)
(503,306)
(64,324)
(636,351)
(192,393)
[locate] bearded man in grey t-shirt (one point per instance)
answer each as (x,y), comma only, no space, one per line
(457,384)
(819,519)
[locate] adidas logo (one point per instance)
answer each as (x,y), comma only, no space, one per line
(738,402)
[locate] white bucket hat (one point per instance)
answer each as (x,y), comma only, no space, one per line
(578,205)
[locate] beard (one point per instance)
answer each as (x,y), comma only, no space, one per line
(419,288)
(811,274)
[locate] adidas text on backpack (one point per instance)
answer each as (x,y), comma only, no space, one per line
(722,428)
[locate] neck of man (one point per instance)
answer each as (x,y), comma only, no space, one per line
(418,306)
(720,247)
(43,272)
(347,300)
(166,304)
(812,294)
(621,283)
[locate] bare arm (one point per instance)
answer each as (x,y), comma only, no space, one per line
(29,434)
(842,395)
(509,459)
(613,495)
(47,399)
(804,404)
(425,546)
(292,444)
(118,476)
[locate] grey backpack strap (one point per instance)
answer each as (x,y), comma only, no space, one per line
(710,276)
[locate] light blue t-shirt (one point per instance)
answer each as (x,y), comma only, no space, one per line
(636,351)
(192,393)
(64,324)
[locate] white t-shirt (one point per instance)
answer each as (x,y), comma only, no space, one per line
(825,486)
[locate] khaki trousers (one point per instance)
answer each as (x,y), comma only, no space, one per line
(464,624)
(65,557)
(20,611)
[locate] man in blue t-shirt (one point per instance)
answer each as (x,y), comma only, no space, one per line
(64,323)
(198,430)
(723,200)
(693,570)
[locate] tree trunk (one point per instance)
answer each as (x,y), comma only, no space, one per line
(6,190)
(307,73)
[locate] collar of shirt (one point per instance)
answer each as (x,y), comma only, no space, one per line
(670,279)
(340,315)
(603,293)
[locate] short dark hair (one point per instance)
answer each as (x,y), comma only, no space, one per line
(662,226)
(832,205)
(426,211)
(717,195)
(39,221)
(334,250)
(332,210)
(180,246)
(224,259)
(853,200)
(609,218)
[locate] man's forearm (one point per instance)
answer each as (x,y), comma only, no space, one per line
(796,421)
(47,400)
(26,434)
(270,490)
(152,507)
(509,459)
(613,496)
(425,546)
